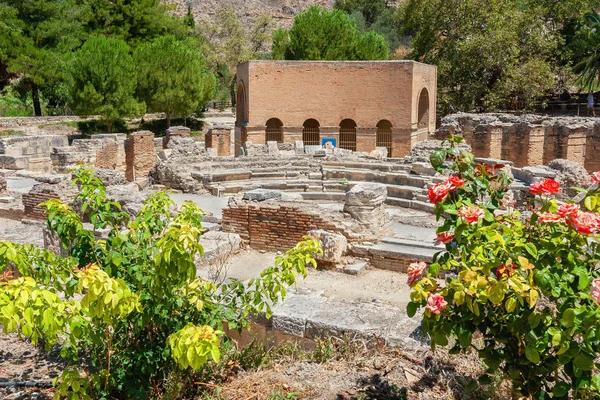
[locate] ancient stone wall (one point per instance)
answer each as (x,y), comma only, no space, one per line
(362,94)
(107,157)
(140,155)
(529,139)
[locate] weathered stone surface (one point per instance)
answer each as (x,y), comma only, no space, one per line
(366,194)
(273,148)
(299,147)
(334,246)
(261,194)
(423,168)
(3,185)
(110,177)
(218,245)
(421,152)
(532,174)
(570,174)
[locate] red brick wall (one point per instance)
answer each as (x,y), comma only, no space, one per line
(366,92)
(270,227)
(41,193)
(140,155)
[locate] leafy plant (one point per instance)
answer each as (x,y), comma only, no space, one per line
(526,284)
(142,312)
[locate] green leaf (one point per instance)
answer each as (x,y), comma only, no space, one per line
(530,248)
(560,389)
(510,304)
(534,320)
(584,279)
(411,309)
(440,338)
(532,354)
(583,362)
(568,318)
(437,158)
(590,202)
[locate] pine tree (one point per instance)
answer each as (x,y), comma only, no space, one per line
(103,81)
(173,77)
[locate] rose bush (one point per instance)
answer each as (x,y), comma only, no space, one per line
(523,289)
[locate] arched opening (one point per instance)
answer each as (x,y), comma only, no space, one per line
(241,116)
(348,135)
(384,135)
(311,133)
(423,110)
(274,131)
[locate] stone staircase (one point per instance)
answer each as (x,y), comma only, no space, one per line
(326,181)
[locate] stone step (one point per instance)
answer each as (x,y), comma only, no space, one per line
(326,196)
(382,166)
(413,243)
(222,175)
(406,203)
(356,269)
(394,256)
(392,178)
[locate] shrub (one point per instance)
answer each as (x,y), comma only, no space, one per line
(143,312)
(526,285)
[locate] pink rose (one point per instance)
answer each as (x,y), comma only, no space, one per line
(549,217)
(596,177)
(470,214)
(568,210)
(596,290)
(415,270)
(584,222)
(436,303)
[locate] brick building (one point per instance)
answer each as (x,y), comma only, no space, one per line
(360,104)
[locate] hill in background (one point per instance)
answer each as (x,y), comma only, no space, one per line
(282,11)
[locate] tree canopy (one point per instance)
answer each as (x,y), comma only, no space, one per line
(102,80)
(320,34)
(172,77)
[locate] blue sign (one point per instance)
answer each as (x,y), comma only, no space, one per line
(324,142)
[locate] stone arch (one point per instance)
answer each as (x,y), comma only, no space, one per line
(347,135)
(384,135)
(423,109)
(241,105)
(274,131)
(311,132)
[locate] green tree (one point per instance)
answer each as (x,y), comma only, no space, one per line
(46,32)
(134,21)
(261,34)
(102,80)
(320,34)
(477,45)
(172,77)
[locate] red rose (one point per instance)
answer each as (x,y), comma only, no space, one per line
(444,238)
(470,214)
(455,181)
(438,192)
(545,187)
(596,177)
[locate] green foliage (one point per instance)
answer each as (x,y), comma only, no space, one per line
(483,49)
(102,80)
(172,77)
(142,311)
(374,15)
(45,32)
(522,283)
(12,105)
(320,34)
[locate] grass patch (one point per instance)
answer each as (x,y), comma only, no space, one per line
(11,132)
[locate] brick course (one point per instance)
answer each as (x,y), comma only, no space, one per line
(140,155)
(366,92)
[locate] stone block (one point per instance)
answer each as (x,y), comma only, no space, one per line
(366,194)
(356,269)
(421,168)
(334,246)
(273,148)
(261,194)
(14,162)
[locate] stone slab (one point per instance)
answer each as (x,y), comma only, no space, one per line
(261,194)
